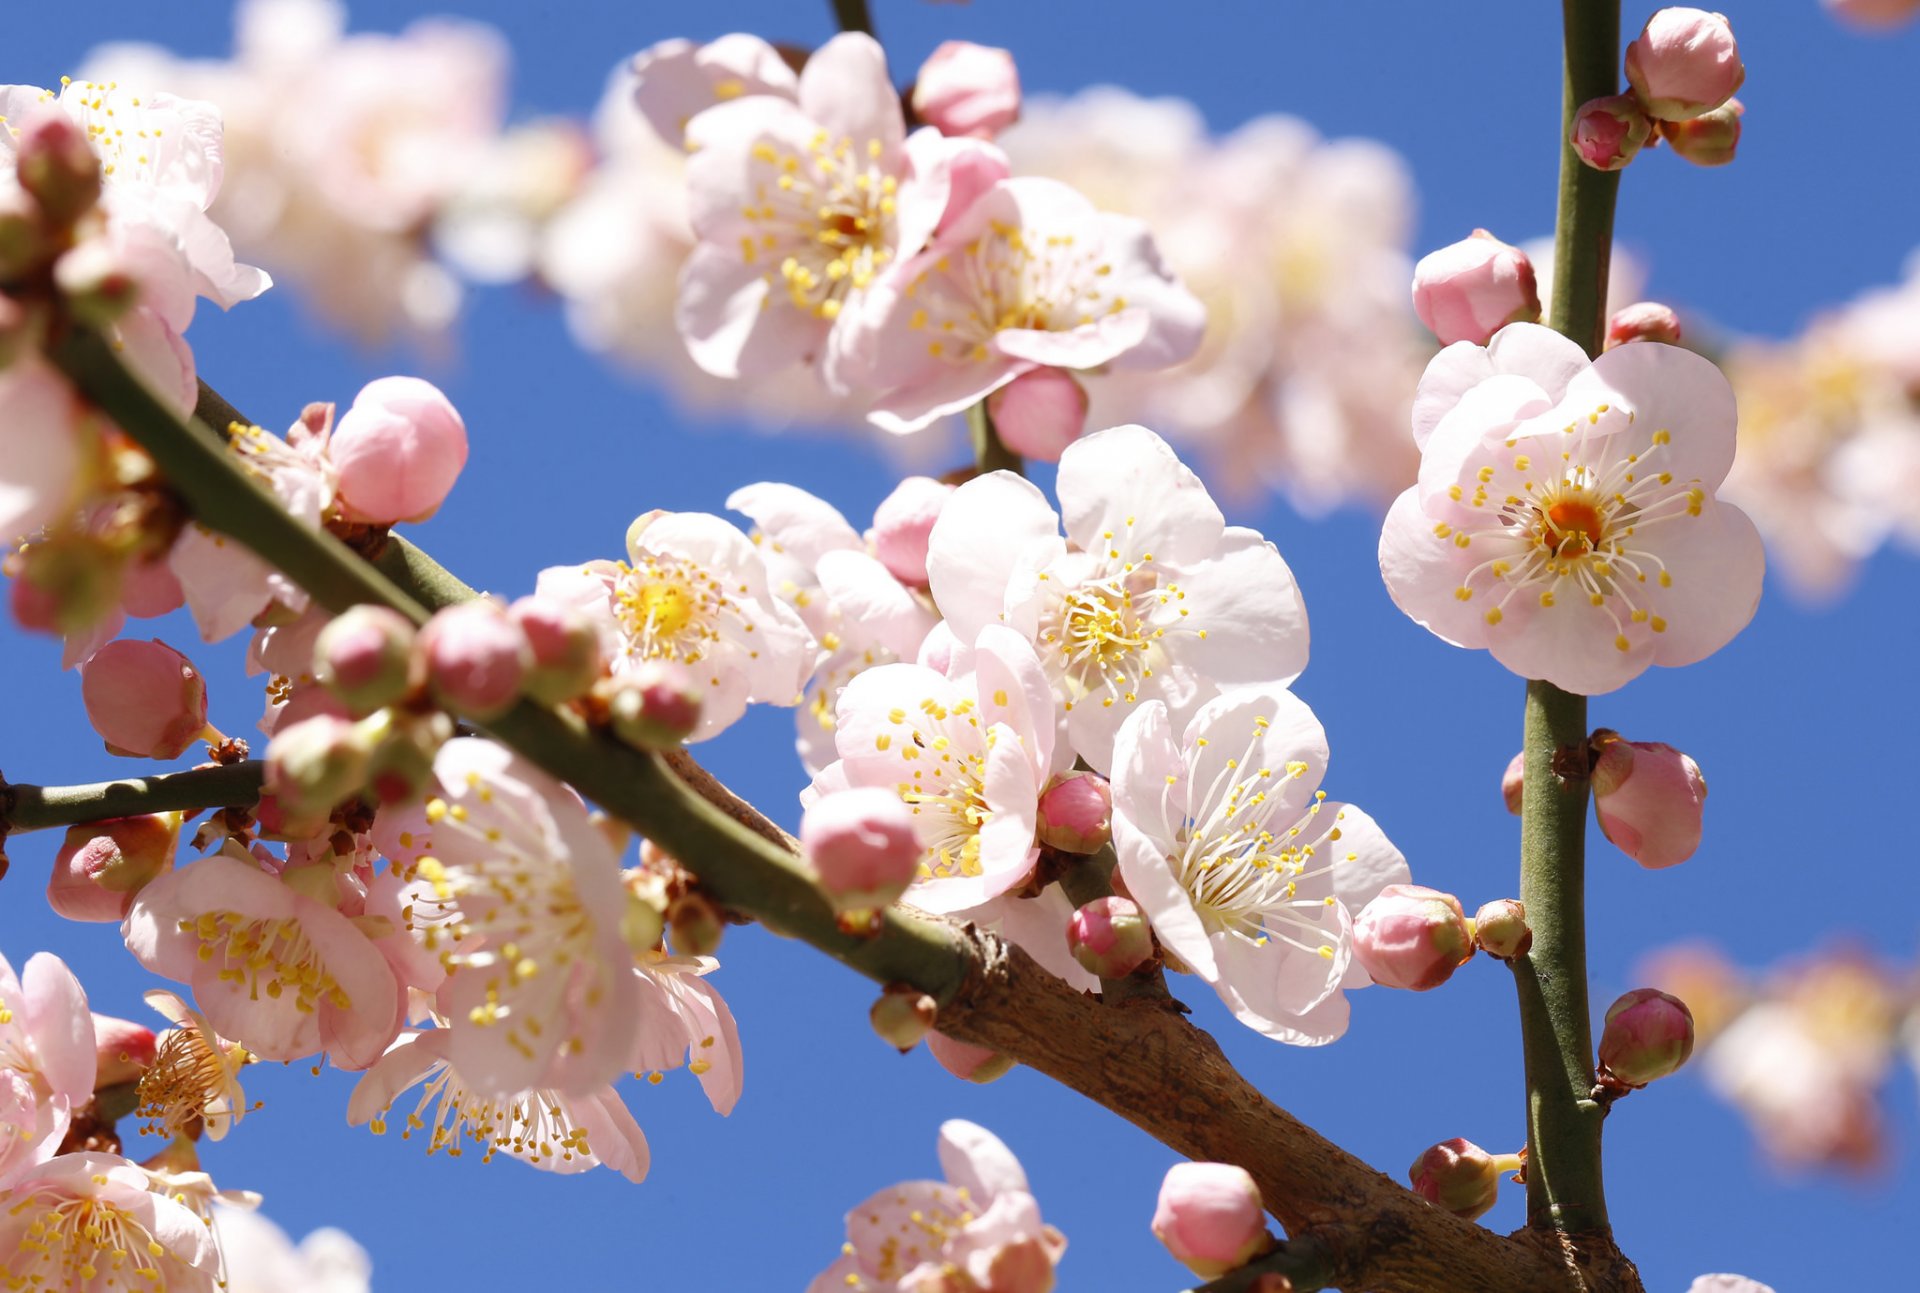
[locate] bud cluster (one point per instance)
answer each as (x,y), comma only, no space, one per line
(1682,71)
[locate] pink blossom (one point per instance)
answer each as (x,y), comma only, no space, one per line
(903,524)
(397,452)
(683,1020)
(676,80)
(1649,798)
(967,89)
(47,1064)
(1565,517)
(282,972)
(981,1224)
(1684,62)
(1031,276)
(259,1257)
(796,207)
(862,844)
(1469,290)
(1247,872)
(102,865)
(968,756)
(145,699)
(1039,413)
(1149,596)
(1210,1217)
(123,1050)
(87,1221)
(194,1078)
(538,991)
(693,590)
(554,1131)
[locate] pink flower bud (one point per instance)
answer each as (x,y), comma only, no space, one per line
(1460,1177)
(1039,413)
(401,766)
(655,706)
(966,1061)
(68,584)
(967,89)
(398,451)
(902,1016)
(364,657)
(1608,132)
(101,866)
(23,238)
(1649,798)
(1709,139)
(475,658)
(1500,929)
(1412,937)
(144,698)
(1473,288)
(1685,62)
(123,1050)
(97,282)
(54,162)
(1643,321)
(1513,782)
(567,652)
(1648,1035)
(1109,937)
(313,766)
(902,523)
(1211,1218)
(863,846)
(1076,813)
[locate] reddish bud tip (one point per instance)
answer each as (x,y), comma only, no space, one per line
(1607,133)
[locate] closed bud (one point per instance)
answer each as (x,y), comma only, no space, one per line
(474,659)
(1076,813)
(1648,1035)
(1500,929)
(695,925)
(1609,132)
(1211,1218)
(54,162)
(97,282)
(401,766)
(966,1061)
(313,766)
(902,1016)
(1473,288)
(1513,782)
(967,89)
(65,585)
(862,845)
(1643,321)
(1707,140)
(102,866)
(1412,937)
(1039,413)
(363,656)
(123,1050)
(902,523)
(398,451)
(656,706)
(1109,937)
(145,699)
(568,656)
(1458,1176)
(1650,799)
(1683,63)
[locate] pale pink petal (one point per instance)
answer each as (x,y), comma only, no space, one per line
(977,1161)
(61,1026)
(794,521)
(734,324)
(845,88)
(1124,490)
(874,604)
(1716,562)
(1423,569)
(981,536)
(1245,597)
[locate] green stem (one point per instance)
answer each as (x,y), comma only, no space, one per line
(1088,879)
(1565,1186)
(852,15)
(33,808)
(740,867)
(989,452)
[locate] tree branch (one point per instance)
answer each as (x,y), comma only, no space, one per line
(852,15)
(1136,1058)
(1301,1261)
(33,808)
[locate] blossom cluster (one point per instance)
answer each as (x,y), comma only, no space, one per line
(1803,1051)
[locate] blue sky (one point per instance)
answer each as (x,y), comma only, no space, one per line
(1800,725)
